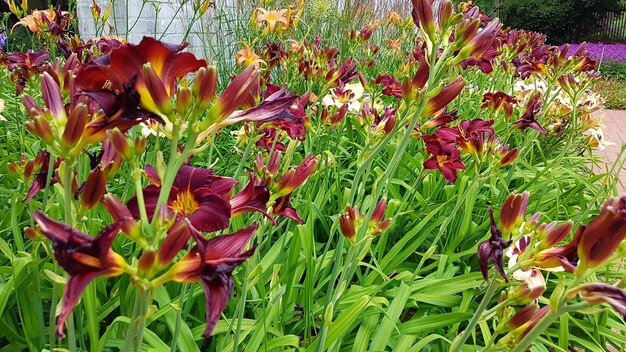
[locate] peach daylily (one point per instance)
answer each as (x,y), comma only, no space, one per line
(246,57)
(272,18)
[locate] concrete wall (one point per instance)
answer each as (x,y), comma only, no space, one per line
(167,20)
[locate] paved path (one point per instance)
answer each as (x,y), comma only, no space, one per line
(615,132)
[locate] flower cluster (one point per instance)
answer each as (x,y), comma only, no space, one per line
(533,248)
(96,102)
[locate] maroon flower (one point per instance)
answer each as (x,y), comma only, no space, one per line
(443,156)
(391,86)
(254,196)
(197,194)
(145,73)
(603,234)
(492,250)
(25,65)
(212,263)
(499,100)
(604,293)
(528,118)
(83,257)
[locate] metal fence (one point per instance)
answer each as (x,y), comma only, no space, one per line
(609,27)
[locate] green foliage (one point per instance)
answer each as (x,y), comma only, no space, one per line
(414,288)
(614,92)
(560,20)
(613,70)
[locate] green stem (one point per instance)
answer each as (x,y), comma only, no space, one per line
(134,337)
(491,290)
(69,220)
(141,204)
(132,326)
(179,317)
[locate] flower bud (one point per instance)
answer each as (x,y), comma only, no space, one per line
(160,97)
(601,237)
(75,127)
(205,86)
(94,188)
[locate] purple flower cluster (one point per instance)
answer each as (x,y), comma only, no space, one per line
(3,42)
(613,53)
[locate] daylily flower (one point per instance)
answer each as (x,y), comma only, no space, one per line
(531,288)
(254,196)
(443,156)
(499,100)
(351,220)
(528,118)
(492,250)
(197,195)
(49,20)
(603,293)
(37,168)
(349,94)
(444,97)
(560,258)
(212,263)
(150,68)
(25,65)
(345,73)
(603,235)
(274,20)
(391,86)
(246,57)
(76,124)
(513,212)
(522,323)
(442,119)
(84,258)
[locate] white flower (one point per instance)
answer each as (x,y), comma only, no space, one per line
(1,110)
(349,94)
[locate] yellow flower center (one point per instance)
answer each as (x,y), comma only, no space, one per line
(441,159)
(185,203)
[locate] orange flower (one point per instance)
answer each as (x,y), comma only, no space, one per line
(395,45)
(246,57)
(40,20)
(272,18)
(394,17)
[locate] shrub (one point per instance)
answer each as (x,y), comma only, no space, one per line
(559,20)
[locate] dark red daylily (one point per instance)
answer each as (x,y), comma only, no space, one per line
(499,100)
(513,212)
(77,124)
(391,86)
(197,195)
(212,263)
(36,169)
(84,258)
(603,234)
(492,250)
(483,61)
(603,293)
(473,134)
(528,118)
(25,65)
(444,97)
(295,177)
(526,319)
(345,73)
(443,156)
(442,119)
(254,196)
(150,68)
(565,257)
